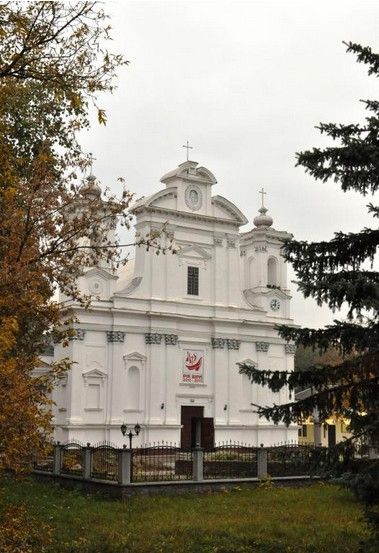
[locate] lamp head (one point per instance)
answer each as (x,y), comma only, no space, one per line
(123,429)
(137,429)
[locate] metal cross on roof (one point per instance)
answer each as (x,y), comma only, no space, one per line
(91,159)
(262,192)
(188,148)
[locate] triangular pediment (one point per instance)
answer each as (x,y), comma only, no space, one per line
(194,252)
(135,356)
(94,373)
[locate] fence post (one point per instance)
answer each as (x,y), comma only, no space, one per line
(124,465)
(262,462)
(87,461)
(57,458)
(198,464)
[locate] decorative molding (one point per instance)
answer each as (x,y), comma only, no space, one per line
(290,349)
(171,339)
(94,374)
(217,343)
(260,249)
(134,356)
(217,241)
(156,338)
(242,253)
(188,251)
(262,346)
(231,242)
(230,343)
(96,286)
(115,336)
(80,334)
(133,284)
(193,197)
(233,344)
(248,361)
(153,338)
(62,380)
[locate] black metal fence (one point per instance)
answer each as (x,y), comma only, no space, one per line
(161,462)
(295,460)
(45,462)
(230,460)
(104,462)
(72,458)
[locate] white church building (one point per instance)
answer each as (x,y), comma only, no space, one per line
(162,342)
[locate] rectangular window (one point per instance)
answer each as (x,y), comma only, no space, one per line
(193,281)
(304,430)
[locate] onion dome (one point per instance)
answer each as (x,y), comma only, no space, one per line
(91,187)
(263,220)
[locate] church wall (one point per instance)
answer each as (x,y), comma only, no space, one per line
(130,361)
(225,394)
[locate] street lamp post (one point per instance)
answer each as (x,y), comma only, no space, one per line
(130,434)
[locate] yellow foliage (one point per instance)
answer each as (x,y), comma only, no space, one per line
(20,533)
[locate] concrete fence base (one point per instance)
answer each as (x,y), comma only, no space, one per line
(124,491)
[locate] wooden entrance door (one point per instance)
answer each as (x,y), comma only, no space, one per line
(188,413)
(206,431)
(331,435)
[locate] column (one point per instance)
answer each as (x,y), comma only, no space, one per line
(116,380)
(263,394)
(173,367)
(156,359)
(75,380)
(234,384)
(220,367)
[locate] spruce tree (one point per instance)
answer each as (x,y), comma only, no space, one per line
(337,273)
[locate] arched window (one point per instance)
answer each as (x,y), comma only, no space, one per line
(272,272)
(133,389)
(253,274)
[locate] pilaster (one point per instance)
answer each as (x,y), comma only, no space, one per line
(116,379)
(263,394)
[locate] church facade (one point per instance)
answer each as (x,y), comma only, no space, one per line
(162,342)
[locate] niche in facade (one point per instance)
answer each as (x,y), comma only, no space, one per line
(272,272)
(133,389)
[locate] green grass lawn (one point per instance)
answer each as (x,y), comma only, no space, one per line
(316,519)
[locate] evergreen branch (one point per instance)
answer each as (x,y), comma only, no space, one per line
(342,251)
(344,336)
(353,371)
(364,55)
(359,289)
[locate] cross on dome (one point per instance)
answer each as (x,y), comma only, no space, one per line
(263,220)
(91,159)
(263,193)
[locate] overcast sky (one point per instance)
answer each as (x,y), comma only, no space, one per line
(246,83)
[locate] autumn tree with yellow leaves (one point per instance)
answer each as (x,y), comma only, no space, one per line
(54,62)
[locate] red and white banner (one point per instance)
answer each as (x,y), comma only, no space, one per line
(193,366)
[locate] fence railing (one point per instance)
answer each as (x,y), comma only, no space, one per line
(161,463)
(164,462)
(104,462)
(230,460)
(292,460)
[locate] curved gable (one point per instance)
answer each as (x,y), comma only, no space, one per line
(228,210)
(162,198)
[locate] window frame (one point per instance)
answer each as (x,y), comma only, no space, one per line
(193,278)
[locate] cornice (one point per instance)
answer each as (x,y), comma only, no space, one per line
(175,214)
